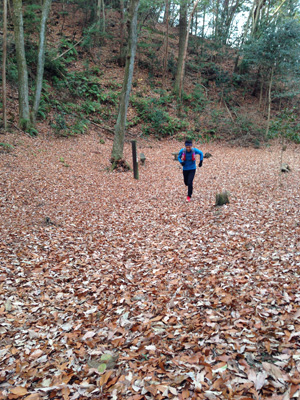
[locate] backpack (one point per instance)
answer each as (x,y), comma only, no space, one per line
(183,157)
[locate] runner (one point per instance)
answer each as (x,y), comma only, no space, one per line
(187,158)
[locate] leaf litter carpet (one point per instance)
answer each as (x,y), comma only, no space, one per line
(112,288)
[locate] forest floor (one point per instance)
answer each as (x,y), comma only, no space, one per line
(116,288)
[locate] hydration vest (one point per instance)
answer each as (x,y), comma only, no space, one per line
(184,154)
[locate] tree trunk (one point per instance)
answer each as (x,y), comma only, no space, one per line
(203,24)
(185,50)
(121,60)
(243,38)
(24,120)
(229,19)
(261,90)
(182,39)
(217,19)
(103,17)
(99,2)
(256,14)
(269,102)
(101,10)
(41,60)
(167,12)
(166,47)
(4,63)
(118,145)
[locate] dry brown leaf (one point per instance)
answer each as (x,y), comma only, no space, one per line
(19,390)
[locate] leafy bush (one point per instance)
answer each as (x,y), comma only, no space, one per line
(59,125)
(286,125)
(199,99)
(159,122)
(67,125)
(172,65)
(12,71)
(72,54)
(54,67)
(31,18)
(6,147)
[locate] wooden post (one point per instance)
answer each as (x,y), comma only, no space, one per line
(135,161)
(4,63)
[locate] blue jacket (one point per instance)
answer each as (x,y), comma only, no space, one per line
(189,163)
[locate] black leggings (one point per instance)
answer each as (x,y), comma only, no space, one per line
(188,177)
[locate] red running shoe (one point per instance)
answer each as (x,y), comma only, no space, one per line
(188,199)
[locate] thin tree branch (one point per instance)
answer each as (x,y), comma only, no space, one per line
(71,48)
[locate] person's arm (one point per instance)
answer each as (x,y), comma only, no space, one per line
(201,156)
(179,156)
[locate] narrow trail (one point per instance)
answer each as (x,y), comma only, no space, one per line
(192,301)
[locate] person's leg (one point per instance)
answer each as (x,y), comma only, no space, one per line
(190,182)
(186,177)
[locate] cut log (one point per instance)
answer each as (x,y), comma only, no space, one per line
(142,158)
(222,198)
(285,168)
(207,155)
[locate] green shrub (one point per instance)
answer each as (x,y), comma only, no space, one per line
(72,54)
(286,125)
(158,121)
(199,99)
(69,125)
(31,18)
(54,68)
(60,125)
(6,148)
(12,71)
(172,65)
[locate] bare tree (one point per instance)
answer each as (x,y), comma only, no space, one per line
(118,145)
(41,60)
(184,55)
(25,117)
(101,10)
(182,38)
(166,44)
(24,120)
(4,63)
(121,60)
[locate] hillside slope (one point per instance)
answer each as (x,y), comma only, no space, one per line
(83,82)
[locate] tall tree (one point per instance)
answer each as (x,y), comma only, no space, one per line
(182,37)
(166,41)
(24,120)
(228,10)
(4,63)
(118,145)
(121,59)
(276,53)
(41,60)
(181,68)
(257,13)
(101,10)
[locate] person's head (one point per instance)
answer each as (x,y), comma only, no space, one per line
(188,145)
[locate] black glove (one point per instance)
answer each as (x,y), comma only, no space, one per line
(200,163)
(182,163)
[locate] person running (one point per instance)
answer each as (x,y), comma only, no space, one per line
(187,158)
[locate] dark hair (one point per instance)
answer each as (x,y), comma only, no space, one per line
(188,143)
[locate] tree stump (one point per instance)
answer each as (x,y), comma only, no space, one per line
(222,198)
(207,155)
(142,158)
(285,168)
